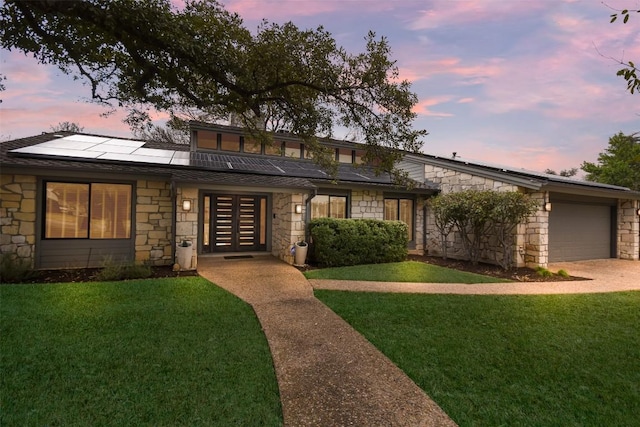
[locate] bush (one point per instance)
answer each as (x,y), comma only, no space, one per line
(563,273)
(543,272)
(14,269)
(340,242)
(123,271)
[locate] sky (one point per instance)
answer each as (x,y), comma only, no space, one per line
(524,83)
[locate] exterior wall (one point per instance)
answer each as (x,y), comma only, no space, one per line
(536,234)
(531,239)
(288,227)
(628,242)
(18,216)
(187,223)
(367,204)
(153,222)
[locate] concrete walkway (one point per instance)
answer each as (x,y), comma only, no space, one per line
(607,275)
(328,374)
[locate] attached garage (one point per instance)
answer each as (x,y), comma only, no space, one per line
(581,230)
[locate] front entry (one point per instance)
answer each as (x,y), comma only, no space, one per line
(234,223)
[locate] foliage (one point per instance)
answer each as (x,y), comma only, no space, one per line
(338,242)
(563,273)
(564,172)
(67,127)
(200,60)
(619,164)
(407,272)
(123,271)
(477,215)
(543,271)
(516,360)
(630,70)
(14,269)
(155,352)
(443,221)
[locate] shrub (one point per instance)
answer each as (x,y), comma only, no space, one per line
(123,271)
(543,271)
(14,269)
(563,273)
(339,242)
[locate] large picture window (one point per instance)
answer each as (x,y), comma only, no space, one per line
(87,211)
(400,210)
(327,206)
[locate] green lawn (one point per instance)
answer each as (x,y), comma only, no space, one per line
(407,271)
(561,360)
(142,352)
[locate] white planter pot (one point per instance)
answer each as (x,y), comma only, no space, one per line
(301,254)
(183,257)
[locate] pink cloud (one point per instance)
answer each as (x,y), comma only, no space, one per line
(423,108)
(466,100)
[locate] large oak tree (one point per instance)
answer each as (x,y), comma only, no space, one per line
(201,61)
(618,164)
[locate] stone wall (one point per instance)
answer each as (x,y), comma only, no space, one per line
(187,223)
(628,242)
(288,226)
(153,222)
(18,216)
(536,234)
(367,204)
(530,239)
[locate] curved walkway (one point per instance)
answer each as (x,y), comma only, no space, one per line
(328,374)
(609,275)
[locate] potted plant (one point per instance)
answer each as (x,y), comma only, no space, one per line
(184,253)
(300,253)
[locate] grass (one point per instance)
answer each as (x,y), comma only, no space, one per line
(141,352)
(560,360)
(406,271)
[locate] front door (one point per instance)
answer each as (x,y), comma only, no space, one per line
(234,223)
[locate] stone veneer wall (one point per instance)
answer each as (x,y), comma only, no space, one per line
(531,239)
(187,222)
(367,204)
(628,230)
(288,227)
(18,216)
(153,222)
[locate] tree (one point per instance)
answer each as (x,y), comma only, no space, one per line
(564,172)
(619,164)
(479,215)
(67,127)
(201,60)
(629,70)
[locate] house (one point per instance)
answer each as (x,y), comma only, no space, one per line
(576,220)
(70,200)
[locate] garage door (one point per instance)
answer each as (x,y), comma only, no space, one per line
(579,232)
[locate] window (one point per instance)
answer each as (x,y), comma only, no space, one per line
(400,210)
(292,149)
(229,142)
(252,146)
(345,155)
(326,206)
(207,139)
(87,210)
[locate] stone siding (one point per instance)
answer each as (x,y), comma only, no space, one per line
(530,239)
(18,216)
(153,222)
(628,242)
(187,223)
(288,226)
(367,204)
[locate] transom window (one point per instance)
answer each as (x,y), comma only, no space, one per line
(329,206)
(87,211)
(398,209)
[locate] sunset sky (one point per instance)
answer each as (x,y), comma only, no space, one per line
(526,84)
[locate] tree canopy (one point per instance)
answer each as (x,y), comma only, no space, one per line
(200,61)
(619,164)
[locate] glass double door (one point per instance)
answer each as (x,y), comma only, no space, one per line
(234,223)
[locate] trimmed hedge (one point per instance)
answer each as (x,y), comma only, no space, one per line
(339,242)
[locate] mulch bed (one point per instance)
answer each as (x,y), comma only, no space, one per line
(91,274)
(520,274)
